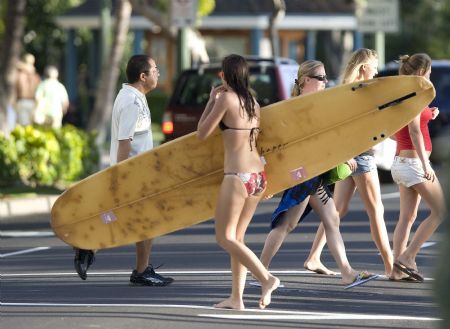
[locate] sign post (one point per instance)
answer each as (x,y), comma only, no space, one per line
(379,17)
(183,14)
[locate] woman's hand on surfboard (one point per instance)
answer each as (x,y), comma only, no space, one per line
(352,164)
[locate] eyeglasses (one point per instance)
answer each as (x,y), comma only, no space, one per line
(148,71)
(319,77)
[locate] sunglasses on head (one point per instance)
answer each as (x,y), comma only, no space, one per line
(319,77)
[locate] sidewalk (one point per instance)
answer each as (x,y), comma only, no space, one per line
(11,208)
(14,207)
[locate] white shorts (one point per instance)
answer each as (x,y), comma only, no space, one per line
(407,171)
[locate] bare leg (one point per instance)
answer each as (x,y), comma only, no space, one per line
(343,192)
(143,250)
(330,217)
(277,235)
(433,195)
(368,186)
(409,204)
(230,205)
(313,262)
(239,272)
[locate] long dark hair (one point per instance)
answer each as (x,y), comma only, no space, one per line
(236,74)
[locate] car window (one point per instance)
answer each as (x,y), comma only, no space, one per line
(288,76)
(263,82)
(193,87)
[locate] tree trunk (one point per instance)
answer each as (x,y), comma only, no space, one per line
(279,10)
(11,48)
(338,46)
(110,73)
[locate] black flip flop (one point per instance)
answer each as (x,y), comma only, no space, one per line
(409,271)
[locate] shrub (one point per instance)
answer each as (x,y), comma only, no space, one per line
(9,170)
(46,156)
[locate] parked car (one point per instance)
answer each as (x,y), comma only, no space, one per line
(440,77)
(271,78)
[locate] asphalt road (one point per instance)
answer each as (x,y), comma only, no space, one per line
(39,288)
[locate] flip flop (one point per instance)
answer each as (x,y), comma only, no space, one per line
(362,278)
(405,279)
(409,271)
(82,261)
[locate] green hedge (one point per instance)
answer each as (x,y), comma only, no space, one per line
(39,156)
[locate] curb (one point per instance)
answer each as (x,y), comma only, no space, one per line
(21,207)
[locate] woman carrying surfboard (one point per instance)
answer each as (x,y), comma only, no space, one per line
(299,200)
(362,65)
(233,109)
(416,179)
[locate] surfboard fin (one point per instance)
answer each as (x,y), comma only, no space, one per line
(396,101)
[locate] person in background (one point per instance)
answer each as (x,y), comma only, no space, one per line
(26,85)
(233,109)
(362,65)
(416,179)
(131,134)
(52,100)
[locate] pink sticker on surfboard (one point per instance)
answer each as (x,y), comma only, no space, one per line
(298,173)
(108,217)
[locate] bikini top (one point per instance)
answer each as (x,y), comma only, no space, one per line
(253,132)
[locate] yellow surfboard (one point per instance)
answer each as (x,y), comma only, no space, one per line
(176,184)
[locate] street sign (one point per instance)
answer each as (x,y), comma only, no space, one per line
(183,13)
(377,15)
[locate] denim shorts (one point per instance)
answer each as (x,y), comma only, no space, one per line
(407,171)
(366,163)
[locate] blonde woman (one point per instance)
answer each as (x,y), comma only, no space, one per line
(232,108)
(363,65)
(294,205)
(416,179)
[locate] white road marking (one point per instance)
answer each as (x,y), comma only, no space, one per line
(243,315)
(393,195)
(103,273)
(425,245)
(119,273)
(25,234)
(317,316)
(21,252)
(428,244)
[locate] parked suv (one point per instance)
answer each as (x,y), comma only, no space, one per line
(271,79)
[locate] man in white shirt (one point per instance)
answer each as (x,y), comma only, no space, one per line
(131,134)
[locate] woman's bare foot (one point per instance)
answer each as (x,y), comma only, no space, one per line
(317,267)
(349,278)
(230,304)
(397,275)
(408,262)
(266,291)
